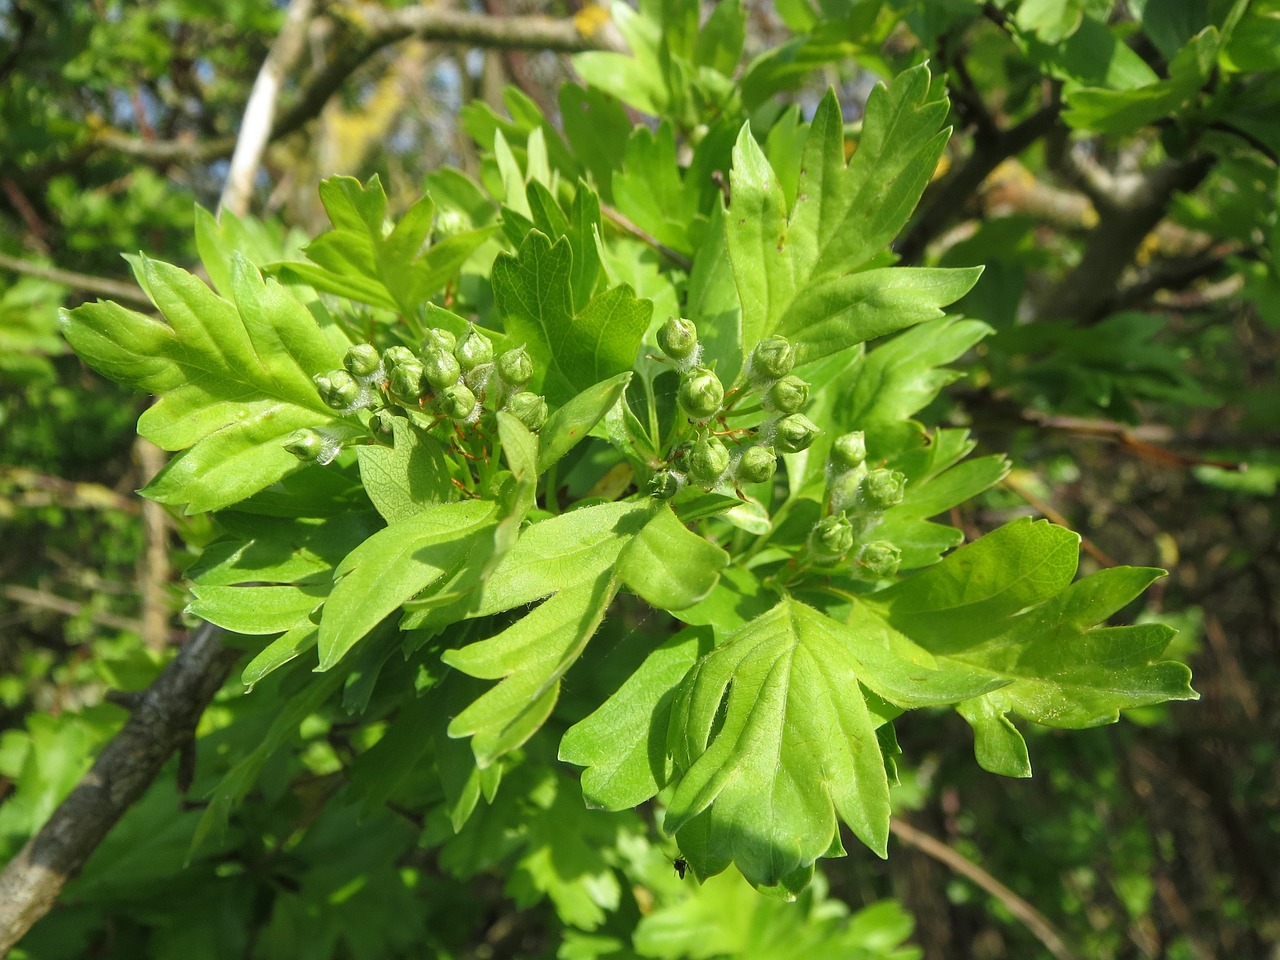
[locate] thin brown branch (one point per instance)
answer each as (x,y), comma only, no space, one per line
(1025,913)
(154,569)
(42,489)
(369,29)
(164,719)
(68,608)
(77,281)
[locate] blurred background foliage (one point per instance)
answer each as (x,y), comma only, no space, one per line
(1114,166)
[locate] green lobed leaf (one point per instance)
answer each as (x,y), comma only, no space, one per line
(364,260)
(773,740)
(668,564)
(802,272)
(623,744)
(1005,606)
(533,293)
(569,560)
(408,477)
(256,610)
(395,565)
(234,380)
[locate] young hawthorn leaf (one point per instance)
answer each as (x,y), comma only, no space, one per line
(396,564)
(669,565)
(1004,605)
(529,658)
(359,259)
(623,744)
(566,857)
(533,293)
(284,649)
(998,745)
(408,477)
(233,380)
(597,127)
(256,610)
(650,191)
(569,560)
(773,740)
(804,275)
(575,419)
(279,550)
(520,448)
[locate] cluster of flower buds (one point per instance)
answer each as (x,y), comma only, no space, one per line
(707,462)
(454,378)
(857,496)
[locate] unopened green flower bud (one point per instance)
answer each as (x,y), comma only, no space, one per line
(879,559)
(338,389)
(515,368)
(473,349)
(678,338)
(306,444)
(449,222)
(882,489)
(701,394)
(831,538)
(405,382)
(362,360)
(849,450)
(529,408)
(457,401)
(772,358)
(440,369)
(707,461)
(665,485)
(843,489)
(438,338)
(394,356)
(794,433)
(789,394)
(756,465)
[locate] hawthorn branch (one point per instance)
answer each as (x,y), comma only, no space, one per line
(77,281)
(370,29)
(259,113)
(1031,918)
(1130,206)
(163,720)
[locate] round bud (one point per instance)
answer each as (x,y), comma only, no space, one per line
(473,349)
(772,358)
(306,444)
(405,382)
(338,389)
(457,402)
(515,368)
(701,394)
(879,559)
(438,339)
(789,394)
(794,433)
(665,485)
(756,465)
(529,408)
(842,490)
(440,369)
(849,450)
(707,460)
(678,338)
(831,538)
(362,360)
(448,223)
(882,489)
(394,356)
